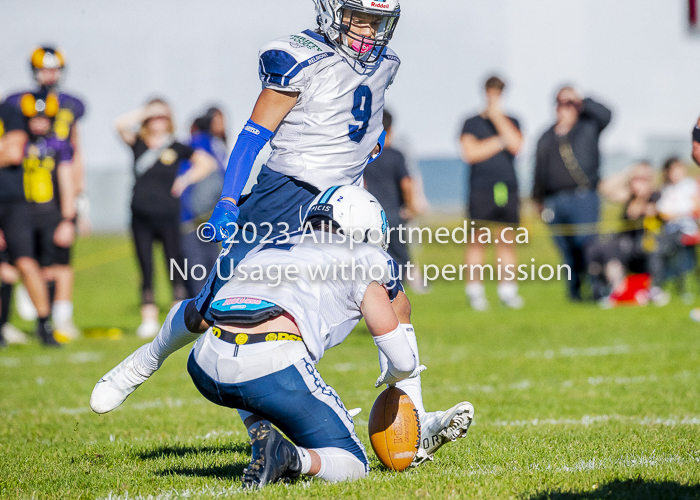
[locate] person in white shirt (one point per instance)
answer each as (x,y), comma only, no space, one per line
(679,203)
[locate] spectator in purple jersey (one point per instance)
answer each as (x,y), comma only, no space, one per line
(15,225)
(48,185)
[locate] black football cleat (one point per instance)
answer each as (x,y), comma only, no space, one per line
(274,458)
(45,333)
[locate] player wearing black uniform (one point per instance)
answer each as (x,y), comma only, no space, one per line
(47,65)
(15,223)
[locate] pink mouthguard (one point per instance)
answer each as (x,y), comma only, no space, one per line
(360,47)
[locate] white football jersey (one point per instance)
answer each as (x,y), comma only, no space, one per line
(328,137)
(320,283)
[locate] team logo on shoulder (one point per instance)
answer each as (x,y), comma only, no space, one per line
(168,156)
(299,41)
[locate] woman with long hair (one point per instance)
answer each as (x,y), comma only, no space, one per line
(155,204)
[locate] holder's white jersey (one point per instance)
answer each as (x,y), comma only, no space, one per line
(328,137)
(320,283)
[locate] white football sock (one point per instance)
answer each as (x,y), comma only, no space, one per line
(339,465)
(507,290)
(475,290)
(62,312)
(412,386)
(173,336)
(305,459)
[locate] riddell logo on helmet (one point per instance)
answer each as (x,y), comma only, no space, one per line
(380,5)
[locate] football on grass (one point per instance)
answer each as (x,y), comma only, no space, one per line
(394,429)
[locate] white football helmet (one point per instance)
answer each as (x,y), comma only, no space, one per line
(354,211)
(377,19)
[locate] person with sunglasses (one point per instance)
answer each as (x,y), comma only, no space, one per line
(567,172)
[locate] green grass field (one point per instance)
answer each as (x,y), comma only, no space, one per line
(571,401)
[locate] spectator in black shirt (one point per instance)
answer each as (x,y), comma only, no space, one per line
(489,143)
(388,179)
(155,205)
(567,175)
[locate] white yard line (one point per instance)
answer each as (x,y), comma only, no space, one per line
(588,420)
(205,492)
(79,358)
(76,358)
(140,406)
(575,352)
(10,362)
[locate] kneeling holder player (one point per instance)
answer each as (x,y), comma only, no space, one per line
(260,356)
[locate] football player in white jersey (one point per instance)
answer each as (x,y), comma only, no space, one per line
(321,106)
(323,303)
(272,329)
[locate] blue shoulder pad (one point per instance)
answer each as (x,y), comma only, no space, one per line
(278,67)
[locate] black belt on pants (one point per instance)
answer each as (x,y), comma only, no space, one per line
(252,338)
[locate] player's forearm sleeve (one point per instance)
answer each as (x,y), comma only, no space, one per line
(250,141)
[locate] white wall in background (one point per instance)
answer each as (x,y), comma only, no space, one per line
(634,54)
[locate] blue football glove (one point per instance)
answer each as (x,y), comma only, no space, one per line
(380,143)
(220,224)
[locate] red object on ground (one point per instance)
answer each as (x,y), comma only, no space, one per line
(633,291)
(690,240)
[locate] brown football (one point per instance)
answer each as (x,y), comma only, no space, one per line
(394,429)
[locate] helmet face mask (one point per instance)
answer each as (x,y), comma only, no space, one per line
(353,212)
(47,64)
(361,29)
